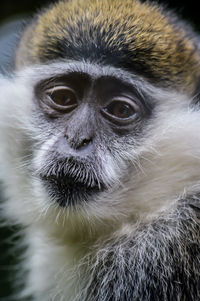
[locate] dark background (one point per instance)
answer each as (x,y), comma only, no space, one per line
(187,9)
(14,9)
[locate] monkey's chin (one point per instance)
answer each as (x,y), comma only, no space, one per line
(68,192)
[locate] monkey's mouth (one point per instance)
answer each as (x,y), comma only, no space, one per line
(68,190)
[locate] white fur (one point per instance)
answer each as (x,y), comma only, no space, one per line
(165,166)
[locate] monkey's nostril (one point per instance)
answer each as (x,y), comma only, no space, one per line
(78,144)
(84,143)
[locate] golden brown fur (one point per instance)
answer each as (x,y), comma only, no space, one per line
(152,36)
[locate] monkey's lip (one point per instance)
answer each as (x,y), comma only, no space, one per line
(68,190)
(71,181)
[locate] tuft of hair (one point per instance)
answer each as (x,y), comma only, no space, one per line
(139,36)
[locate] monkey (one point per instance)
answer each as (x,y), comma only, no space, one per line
(100,153)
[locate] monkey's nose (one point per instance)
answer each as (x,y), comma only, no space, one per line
(78,144)
(84,143)
(77,148)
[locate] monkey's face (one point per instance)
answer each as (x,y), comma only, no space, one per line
(91,119)
(91,140)
(102,89)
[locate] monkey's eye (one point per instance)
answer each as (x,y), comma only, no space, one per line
(62,98)
(120,109)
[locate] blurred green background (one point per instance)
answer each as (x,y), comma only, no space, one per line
(11,11)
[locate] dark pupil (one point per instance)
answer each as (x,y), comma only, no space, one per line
(120,110)
(63,97)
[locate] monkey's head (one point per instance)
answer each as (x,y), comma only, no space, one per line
(101,88)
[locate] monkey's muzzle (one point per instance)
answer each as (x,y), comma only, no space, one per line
(72,187)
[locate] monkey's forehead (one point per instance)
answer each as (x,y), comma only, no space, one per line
(139,37)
